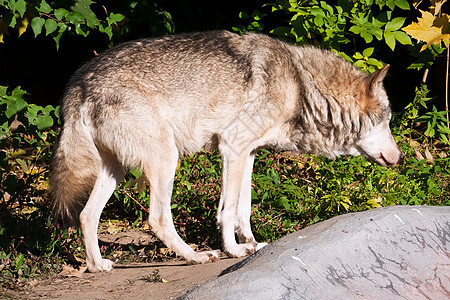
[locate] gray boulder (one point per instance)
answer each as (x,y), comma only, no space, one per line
(398,252)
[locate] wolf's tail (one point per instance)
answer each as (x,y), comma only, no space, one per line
(74,168)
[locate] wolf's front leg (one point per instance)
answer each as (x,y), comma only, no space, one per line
(244,208)
(109,176)
(235,204)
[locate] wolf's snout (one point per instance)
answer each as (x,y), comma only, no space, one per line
(390,158)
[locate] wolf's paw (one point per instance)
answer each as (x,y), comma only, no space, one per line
(260,246)
(246,249)
(203,257)
(240,250)
(105,265)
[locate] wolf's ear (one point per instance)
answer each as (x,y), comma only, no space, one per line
(369,88)
(374,80)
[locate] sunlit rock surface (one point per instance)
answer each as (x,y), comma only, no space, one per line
(399,252)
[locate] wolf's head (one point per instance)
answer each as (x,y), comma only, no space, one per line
(377,143)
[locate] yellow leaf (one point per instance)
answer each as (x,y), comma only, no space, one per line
(3,30)
(436,6)
(22,26)
(429,29)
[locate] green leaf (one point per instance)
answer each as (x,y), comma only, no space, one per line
(20,259)
(62,29)
(443,129)
(18,92)
(82,29)
(366,36)
(378,33)
(21,7)
(107,30)
(23,164)
(281,31)
(444,139)
(3,90)
(346,57)
(403,4)
(391,4)
(358,55)
(402,37)
(44,122)
(430,131)
(243,15)
(360,64)
(115,18)
(83,7)
(257,15)
(318,20)
(16,7)
(368,52)
(355,29)
(389,39)
(37,24)
(317,11)
(395,24)
(60,13)
(45,8)
(326,6)
(75,17)
(50,26)
(375,62)
(15,102)
(9,19)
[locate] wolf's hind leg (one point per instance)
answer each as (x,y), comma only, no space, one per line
(160,171)
(109,176)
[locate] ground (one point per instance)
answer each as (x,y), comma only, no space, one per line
(155,280)
(135,281)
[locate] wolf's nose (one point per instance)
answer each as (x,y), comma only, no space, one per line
(401,158)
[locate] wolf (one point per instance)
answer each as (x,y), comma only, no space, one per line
(146,103)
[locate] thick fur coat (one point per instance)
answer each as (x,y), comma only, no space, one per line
(146,103)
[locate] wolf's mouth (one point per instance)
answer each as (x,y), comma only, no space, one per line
(382,160)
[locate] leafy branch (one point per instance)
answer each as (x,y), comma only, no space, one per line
(433,28)
(80,19)
(333,26)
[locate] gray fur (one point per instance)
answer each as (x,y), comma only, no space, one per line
(147,102)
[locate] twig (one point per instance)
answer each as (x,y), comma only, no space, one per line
(425,75)
(132,198)
(446,86)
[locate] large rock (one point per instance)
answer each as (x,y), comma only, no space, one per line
(399,252)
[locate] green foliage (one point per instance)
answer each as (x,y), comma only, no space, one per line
(434,121)
(27,132)
(22,126)
(55,21)
(146,15)
(353,28)
(17,268)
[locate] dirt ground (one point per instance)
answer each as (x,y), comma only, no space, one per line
(130,282)
(158,280)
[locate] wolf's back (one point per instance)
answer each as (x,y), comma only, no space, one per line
(74,166)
